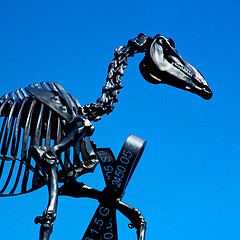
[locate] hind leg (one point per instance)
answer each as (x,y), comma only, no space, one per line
(49,169)
(136,218)
(76,189)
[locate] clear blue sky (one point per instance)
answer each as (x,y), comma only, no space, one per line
(187,183)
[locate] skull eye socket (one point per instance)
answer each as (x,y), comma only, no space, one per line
(166,42)
(161,41)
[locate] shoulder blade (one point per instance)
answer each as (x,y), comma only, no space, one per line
(53,100)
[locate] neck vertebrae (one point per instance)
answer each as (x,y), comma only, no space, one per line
(105,104)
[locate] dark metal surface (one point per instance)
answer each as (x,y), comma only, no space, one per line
(45,137)
(117,174)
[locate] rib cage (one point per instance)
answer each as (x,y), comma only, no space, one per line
(26,121)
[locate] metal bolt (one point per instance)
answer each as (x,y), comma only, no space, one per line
(56,98)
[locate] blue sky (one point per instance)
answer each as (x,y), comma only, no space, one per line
(187,183)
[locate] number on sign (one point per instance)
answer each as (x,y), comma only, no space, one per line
(98,222)
(107,236)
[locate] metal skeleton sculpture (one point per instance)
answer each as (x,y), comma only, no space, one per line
(45,137)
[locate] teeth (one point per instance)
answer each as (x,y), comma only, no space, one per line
(183,69)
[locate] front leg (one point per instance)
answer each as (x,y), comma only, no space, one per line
(48,162)
(49,169)
(80,130)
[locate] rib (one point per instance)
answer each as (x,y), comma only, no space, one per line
(17,178)
(48,131)
(8,133)
(25,141)
(38,141)
(44,86)
(38,131)
(9,177)
(3,127)
(58,138)
(26,132)
(17,130)
(1,133)
(52,86)
(26,172)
